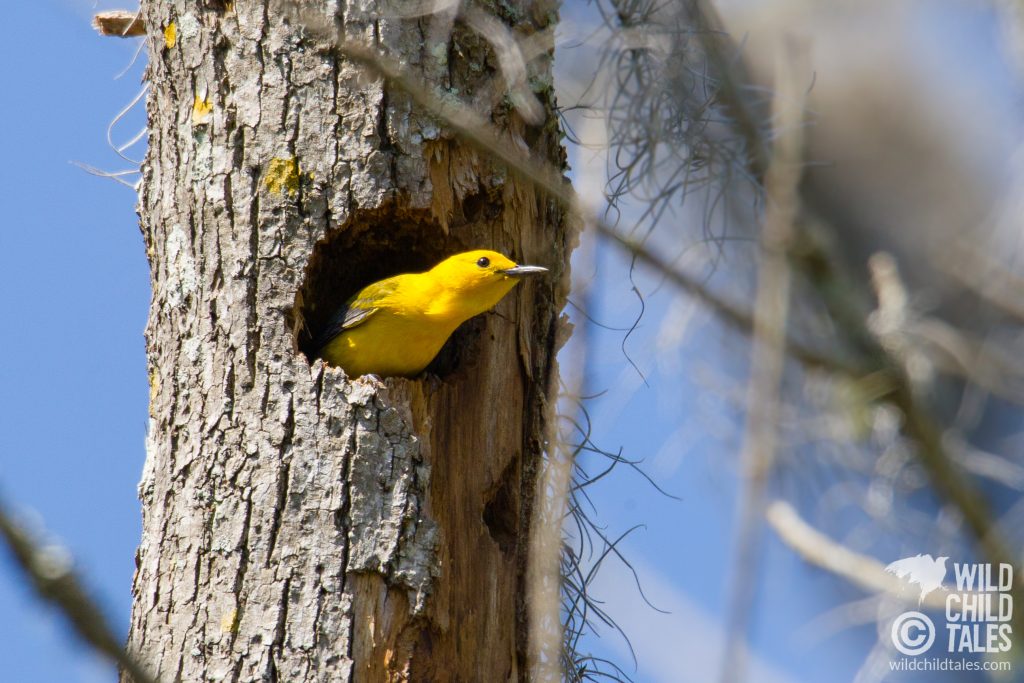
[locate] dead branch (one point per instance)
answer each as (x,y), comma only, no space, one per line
(50,570)
(820,550)
(771,311)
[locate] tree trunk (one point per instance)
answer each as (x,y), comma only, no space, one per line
(299,525)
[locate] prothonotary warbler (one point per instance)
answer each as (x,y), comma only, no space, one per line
(397,326)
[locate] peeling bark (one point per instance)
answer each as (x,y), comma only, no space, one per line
(297,525)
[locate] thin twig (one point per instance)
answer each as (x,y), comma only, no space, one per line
(54,580)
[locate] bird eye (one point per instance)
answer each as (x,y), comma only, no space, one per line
(483,262)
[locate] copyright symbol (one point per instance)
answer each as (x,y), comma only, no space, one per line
(913,633)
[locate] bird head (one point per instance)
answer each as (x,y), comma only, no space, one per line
(478,279)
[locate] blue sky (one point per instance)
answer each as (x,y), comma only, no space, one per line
(73,393)
(75,289)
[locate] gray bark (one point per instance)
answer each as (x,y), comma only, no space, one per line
(299,526)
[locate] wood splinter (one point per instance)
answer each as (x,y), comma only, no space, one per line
(120,23)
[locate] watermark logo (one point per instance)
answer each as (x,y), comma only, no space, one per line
(913,633)
(978,612)
(922,570)
(978,615)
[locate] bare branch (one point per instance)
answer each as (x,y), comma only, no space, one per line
(771,311)
(860,570)
(985,276)
(50,570)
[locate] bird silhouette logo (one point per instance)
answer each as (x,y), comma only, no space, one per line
(926,572)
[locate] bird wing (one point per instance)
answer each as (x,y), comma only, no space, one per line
(356,310)
(900,568)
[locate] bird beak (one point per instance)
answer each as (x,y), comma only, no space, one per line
(520,271)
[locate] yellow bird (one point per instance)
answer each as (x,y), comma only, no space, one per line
(396,326)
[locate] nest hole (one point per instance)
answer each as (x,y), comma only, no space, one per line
(370,247)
